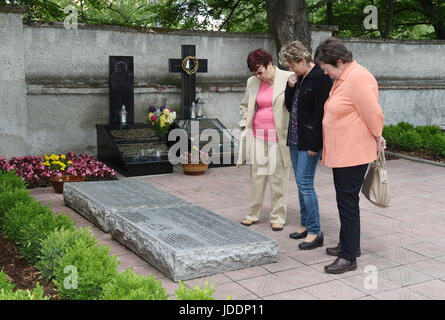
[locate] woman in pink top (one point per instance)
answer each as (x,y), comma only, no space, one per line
(264,123)
(352,129)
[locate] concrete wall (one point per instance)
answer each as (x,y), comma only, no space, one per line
(55,81)
(13,115)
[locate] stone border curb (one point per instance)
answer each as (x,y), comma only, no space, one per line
(402,156)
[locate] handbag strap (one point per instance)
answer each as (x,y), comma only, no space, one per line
(381,156)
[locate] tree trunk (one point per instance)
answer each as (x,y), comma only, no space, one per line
(288,22)
(329,12)
(389,19)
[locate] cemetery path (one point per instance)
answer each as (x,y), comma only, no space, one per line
(404,244)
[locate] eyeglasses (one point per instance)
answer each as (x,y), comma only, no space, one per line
(326,69)
(259,73)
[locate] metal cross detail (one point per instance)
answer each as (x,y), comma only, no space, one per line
(188,65)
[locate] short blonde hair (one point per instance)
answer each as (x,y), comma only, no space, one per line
(294,52)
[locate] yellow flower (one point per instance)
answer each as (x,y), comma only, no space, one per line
(166,111)
(63,156)
(69,163)
(46,157)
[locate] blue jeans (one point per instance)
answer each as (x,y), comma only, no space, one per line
(304,168)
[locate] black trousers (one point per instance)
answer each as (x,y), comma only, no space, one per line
(348,182)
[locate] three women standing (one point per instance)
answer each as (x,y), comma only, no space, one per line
(343,119)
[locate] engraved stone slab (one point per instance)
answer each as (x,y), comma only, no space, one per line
(188,242)
(96,201)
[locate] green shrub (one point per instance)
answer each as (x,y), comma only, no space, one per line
(36,294)
(4,283)
(29,223)
(130,286)
(410,140)
(9,181)
(405,126)
(437,144)
(392,135)
(84,271)
(9,199)
(184,293)
(7,291)
(54,246)
(427,133)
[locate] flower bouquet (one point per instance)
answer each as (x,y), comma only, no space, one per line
(161,118)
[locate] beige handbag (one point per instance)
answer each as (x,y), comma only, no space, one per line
(376,184)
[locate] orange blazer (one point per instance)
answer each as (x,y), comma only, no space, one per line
(352,120)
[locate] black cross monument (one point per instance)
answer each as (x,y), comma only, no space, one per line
(188,65)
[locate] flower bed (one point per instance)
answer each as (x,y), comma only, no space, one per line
(37,171)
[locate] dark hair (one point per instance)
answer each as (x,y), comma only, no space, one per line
(330,51)
(258,58)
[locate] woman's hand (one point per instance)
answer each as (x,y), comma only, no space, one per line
(312,153)
(381,141)
(292,80)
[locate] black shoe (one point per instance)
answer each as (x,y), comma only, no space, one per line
(335,251)
(317,242)
(298,235)
(340,265)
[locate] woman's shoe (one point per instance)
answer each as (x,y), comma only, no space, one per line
(298,235)
(335,251)
(317,242)
(340,265)
(277,226)
(247,222)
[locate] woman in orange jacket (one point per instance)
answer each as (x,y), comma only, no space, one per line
(352,129)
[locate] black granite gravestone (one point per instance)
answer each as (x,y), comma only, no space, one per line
(121,87)
(134,149)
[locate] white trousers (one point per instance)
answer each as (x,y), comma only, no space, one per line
(267,164)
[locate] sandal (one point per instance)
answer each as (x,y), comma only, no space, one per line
(277,226)
(247,222)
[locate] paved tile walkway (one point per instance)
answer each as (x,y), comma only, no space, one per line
(404,245)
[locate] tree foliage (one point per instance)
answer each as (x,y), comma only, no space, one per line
(398,19)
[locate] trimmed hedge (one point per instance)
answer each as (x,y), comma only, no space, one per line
(81,269)
(130,286)
(54,247)
(84,271)
(30,223)
(407,137)
(7,291)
